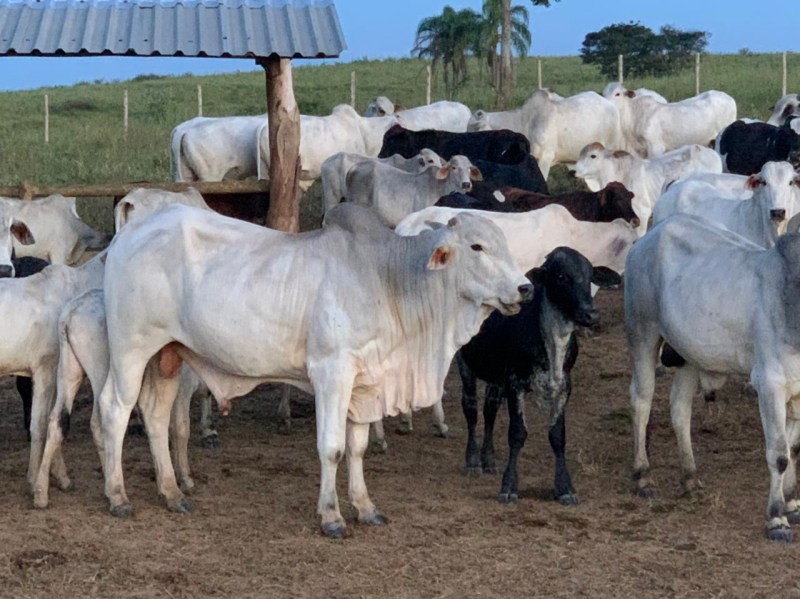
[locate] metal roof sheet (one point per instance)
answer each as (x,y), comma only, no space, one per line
(204,28)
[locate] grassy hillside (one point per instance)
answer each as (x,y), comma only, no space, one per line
(88,145)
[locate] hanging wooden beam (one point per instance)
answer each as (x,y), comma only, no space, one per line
(284,146)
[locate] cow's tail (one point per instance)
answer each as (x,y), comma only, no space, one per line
(175,155)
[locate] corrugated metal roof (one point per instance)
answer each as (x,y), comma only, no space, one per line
(210,28)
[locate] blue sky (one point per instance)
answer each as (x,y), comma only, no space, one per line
(385,28)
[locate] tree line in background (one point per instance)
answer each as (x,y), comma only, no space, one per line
(501,29)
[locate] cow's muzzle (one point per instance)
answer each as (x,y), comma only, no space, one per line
(466,186)
(6,271)
(778,215)
(587,317)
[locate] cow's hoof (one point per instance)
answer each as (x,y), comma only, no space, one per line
(793,517)
(473,470)
(568,499)
(65,485)
(285,427)
(211,441)
(780,534)
(507,498)
(442,431)
(122,511)
(403,428)
(182,506)
(379,446)
(335,530)
(39,502)
(645,492)
(374,519)
(490,469)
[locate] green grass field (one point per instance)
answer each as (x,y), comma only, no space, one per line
(88,144)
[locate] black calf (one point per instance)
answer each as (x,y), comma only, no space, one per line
(534,350)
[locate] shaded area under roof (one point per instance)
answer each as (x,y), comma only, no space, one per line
(210,28)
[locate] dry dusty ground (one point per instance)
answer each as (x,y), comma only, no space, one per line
(254,531)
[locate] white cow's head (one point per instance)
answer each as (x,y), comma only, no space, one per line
(459,173)
(381,106)
(428,157)
(787,106)
(486,274)
(777,189)
(11,229)
(142,202)
(598,166)
(616,90)
(479,121)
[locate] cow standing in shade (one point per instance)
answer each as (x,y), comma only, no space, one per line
(534,350)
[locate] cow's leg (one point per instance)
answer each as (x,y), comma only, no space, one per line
(333,388)
(684,387)
(156,401)
(208,434)
(491,404)
(644,353)
(405,424)
(378,437)
(285,410)
(517,434)
(772,407)
(357,439)
(70,375)
(25,389)
(43,398)
(179,430)
(442,430)
(790,476)
(469,405)
(119,395)
(564,491)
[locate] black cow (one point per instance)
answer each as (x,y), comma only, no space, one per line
(523,175)
(534,350)
(503,146)
(25,267)
(608,204)
(746,147)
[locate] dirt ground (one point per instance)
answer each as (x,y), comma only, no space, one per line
(254,531)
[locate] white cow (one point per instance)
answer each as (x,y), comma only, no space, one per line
(775,198)
(558,128)
(442,116)
(335,169)
(787,106)
(394,193)
(344,130)
(651,127)
(727,184)
(61,236)
(616,89)
(364,319)
(725,306)
(645,177)
(142,202)
(214,149)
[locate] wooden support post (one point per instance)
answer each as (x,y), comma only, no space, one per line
(428,88)
(125,113)
(46,119)
(783,80)
(199,100)
(539,74)
(353,89)
(697,73)
(619,67)
(284,146)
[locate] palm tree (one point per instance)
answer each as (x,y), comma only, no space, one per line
(491,38)
(448,39)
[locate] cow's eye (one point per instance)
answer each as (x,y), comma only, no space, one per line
(593,156)
(477,247)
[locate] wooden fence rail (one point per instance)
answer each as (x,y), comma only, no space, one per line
(29,191)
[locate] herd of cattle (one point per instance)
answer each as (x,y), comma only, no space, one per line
(439,240)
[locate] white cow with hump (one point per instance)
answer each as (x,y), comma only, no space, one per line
(215,148)
(788,106)
(442,116)
(558,128)
(774,198)
(366,320)
(645,177)
(725,306)
(651,127)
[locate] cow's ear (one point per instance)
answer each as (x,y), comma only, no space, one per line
(475,173)
(442,172)
(630,93)
(397,108)
(752,182)
(787,110)
(605,277)
(603,200)
(22,233)
(440,258)
(535,275)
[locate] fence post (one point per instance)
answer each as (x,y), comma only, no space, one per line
(353,89)
(619,67)
(125,112)
(46,119)
(697,73)
(428,88)
(199,100)
(539,74)
(783,81)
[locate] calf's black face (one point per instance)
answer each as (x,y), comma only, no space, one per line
(615,202)
(566,276)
